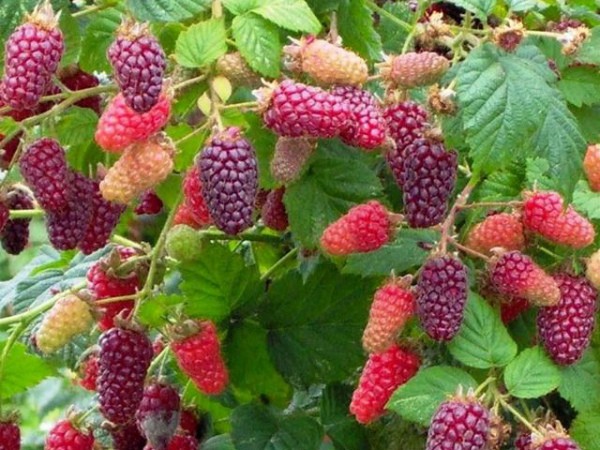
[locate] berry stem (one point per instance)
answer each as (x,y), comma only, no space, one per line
(289,255)
(218,236)
(448,225)
(239,105)
(512,204)
(201,128)
(508,407)
(189,82)
(483,385)
(217,9)
(159,360)
(469,251)
(121,240)
(26,213)
(92,9)
(120,298)
(382,12)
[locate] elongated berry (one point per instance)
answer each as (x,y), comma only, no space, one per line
(553,438)
(88,372)
(289,159)
(593,269)
(414,69)
(4,215)
(65,436)
(15,233)
(158,415)
(503,230)
(76,79)
(194,197)
(10,435)
(234,67)
(523,441)
(189,421)
(381,376)
(273,211)
(591,166)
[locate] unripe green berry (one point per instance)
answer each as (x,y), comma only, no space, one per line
(183,243)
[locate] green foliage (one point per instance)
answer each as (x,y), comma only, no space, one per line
(166,10)
(21,370)
(201,44)
(531,374)
(258,41)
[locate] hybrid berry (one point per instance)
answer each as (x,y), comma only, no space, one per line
(88,372)
(591,166)
(149,203)
(513,308)
(194,197)
(15,233)
(234,67)
(4,215)
(503,230)
(10,435)
(414,69)
(76,79)
(65,436)
(158,415)
(185,216)
(179,442)
(184,243)
(290,158)
(273,211)
(523,441)
(127,437)
(593,269)
(189,421)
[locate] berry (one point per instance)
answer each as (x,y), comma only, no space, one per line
(31,56)
(10,436)
(104,218)
(393,304)
(66,228)
(557,443)
(499,230)
(184,243)
(228,172)
(381,376)
(64,436)
(179,442)
(188,421)
(593,269)
(430,175)
(149,203)
(327,63)
(127,437)
(441,297)
(510,310)
(194,198)
(4,215)
(297,110)
(185,216)
(8,151)
(141,167)
(517,275)
(88,372)
(591,166)
(290,157)
(69,317)
(367,127)
(76,79)
(199,357)
(523,441)
(414,69)
(565,329)
(15,234)
(460,424)
(139,63)
(273,211)
(124,358)
(120,126)
(544,213)
(157,416)
(44,169)
(234,67)
(364,228)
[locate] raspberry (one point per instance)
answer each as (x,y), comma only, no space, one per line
(139,63)
(430,177)
(69,317)
(149,203)
(523,441)
(381,376)
(157,416)
(461,423)
(517,275)
(192,190)
(327,63)
(44,168)
(273,211)
(188,421)
(367,127)
(565,329)
(591,166)
(76,79)
(364,228)
(141,167)
(183,243)
(393,304)
(127,437)
(15,234)
(236,69)
(199,357)
(441,297)
(120,126)
(290,157)
(185,216)
(88,372)
(4,215)
(124,358)
(65,436)
(10,436)
(297,110)
(104,218)
(228,171)
(414,69)
(510,310)
(31,57)
(544,213)
(67,228)
(179,442)
(499,230)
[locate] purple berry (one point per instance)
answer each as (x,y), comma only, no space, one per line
(15,234)
(149,203)
(158,414)
(127,437)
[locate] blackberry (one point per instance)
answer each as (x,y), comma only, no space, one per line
(149,203)
(273,211)
(15,234)
(228,171)
(158,414)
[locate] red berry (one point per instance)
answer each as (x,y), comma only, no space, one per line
(592,271)
(517,275)
(591,166)
(127,437)
(441,297)
(297,110)
(188,421)
(149,203)
(88,371)
(139,63)
(4,215)
(120,126)
(273,211)
(412,69)
(124,358)
(31,57)
(523,441)
(185,216)
(44,168)
(228,172)
(558,443)
(512,309)
(544,213)
(64,436)
(290,158)
(199,357)
(366,127)
(15,234)
(364,228)
(194,199)
(393,304)
(157,416)
(460,424)
(565,329)
(499,230)
(10,436)
(381,376)
(76,79)
(179,442)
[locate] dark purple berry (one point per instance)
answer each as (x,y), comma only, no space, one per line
(273,212)
(228,170)
(10,435)
(150,203)
(158,414)
(15,234)
(441,297)
(76,80)
(127,437)
(4,215)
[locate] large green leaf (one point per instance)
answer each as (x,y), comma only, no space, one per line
(239,7)
(586,201)
(355,22)
(580,85)
(481,8)
(531,374)
(99,34)
(201,44)
(258,41)
(21,370)
(75,131)
(294,15)
(166,10)
(12,12)
(72,37)
(590,51)
(580,383)
(341,427)
(586,430)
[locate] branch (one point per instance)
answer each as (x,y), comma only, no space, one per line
(219,236)
(448,225)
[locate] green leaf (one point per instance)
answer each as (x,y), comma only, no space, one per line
(166,10)
(481,8)
(523,5)
(256,427)
(356,28)
(21,370)
(405,252)
(536,173)
(580,383)
(201,44)
(75,131)
(220,442)
(99,34)
(7,126)
(392,35)
(153,311)
(585,429)
(72,37)
(325,314)
(218,283)
(483,341)
(239,7)
(344,431)
(590,51)
(531,374)
(418,399)
(13,11)
(586,201)
(258,41)
(294,15)
(588,119)
(580,85)
(337,178)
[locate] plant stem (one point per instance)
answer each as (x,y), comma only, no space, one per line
(512,204)
(285,258)
(90,10)
(379,10)
(469,251)
(26,213)
(121,240)
(517,414)
(483,385)
(198,130)
(217,9)
(218,236)
(239,105)
(158,360)
(106,301)
(461,200)
(189,82)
